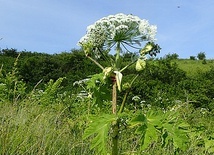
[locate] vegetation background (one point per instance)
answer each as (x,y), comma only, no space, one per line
(42,111)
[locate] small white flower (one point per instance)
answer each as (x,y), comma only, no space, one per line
(136,98)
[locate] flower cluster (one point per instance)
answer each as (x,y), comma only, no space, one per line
(121,28)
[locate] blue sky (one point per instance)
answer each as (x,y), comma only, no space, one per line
(185,27)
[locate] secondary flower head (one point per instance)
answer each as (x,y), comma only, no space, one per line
(125,29)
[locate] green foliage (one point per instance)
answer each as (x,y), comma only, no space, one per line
(99,127)
(98,88)
(12,88)
(49,95)
(146,129)
(194,68)
(158,83)
(157,123)
(29,127)
(36,68)
(9,52)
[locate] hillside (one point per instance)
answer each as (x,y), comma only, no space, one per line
(192,67)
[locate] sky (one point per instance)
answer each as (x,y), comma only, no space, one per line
(185,27)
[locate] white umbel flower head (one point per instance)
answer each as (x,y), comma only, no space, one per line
(121,28)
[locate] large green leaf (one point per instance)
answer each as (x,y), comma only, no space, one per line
(95,81)
(149,136)
(138,120)
(175,131)
(156,123)
(146,128)
(99,128)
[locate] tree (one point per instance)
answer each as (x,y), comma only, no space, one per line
(201,56)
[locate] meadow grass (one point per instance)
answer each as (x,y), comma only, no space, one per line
(192,67)
(31,128)
(35,129)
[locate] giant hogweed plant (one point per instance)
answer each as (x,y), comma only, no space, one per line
(122,33)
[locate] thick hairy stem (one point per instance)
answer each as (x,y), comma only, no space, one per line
(114,98)
(117,56)
(115,124)
(115,138)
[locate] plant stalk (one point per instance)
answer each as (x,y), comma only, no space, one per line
(124,101)
(99,65)
(117,63)
(114,96)
(115,124)
(127,94)
(115,138)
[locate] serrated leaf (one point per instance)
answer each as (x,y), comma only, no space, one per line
(146,129)
(154,118)
(99,128)
(97,85)
(94,80)
(139,119)
(141,130)
(175,133)
(101,94)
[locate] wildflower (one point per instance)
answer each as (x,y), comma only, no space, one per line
(136,98)
(127,29)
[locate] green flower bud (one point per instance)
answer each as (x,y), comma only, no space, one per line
(140,65)
(126,86)
(107,72)
(146,49)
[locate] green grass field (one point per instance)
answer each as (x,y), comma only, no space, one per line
(192,67)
